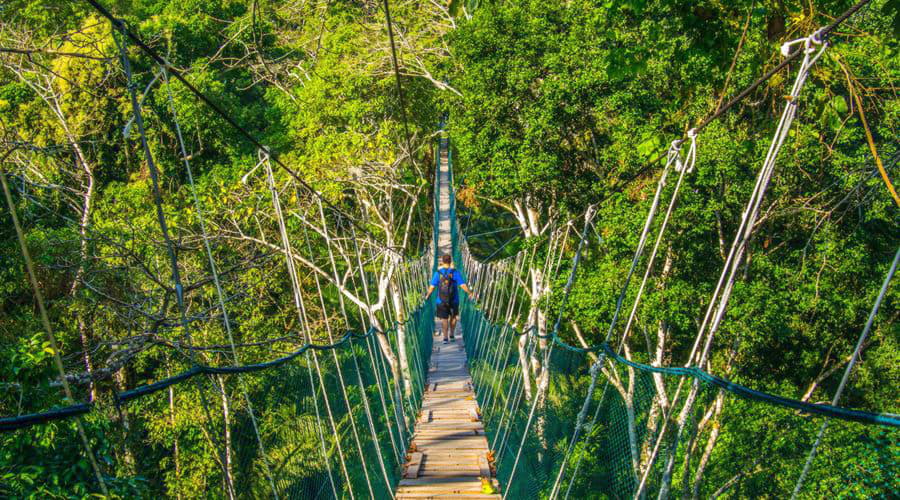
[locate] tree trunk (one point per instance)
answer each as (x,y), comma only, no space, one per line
(524,364)
(400,314)
(226,417)
(710,444)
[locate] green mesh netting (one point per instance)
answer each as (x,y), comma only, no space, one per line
(637,440)
(367,428)
(626,419)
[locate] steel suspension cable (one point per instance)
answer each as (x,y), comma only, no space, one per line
(170,246)
(215,275)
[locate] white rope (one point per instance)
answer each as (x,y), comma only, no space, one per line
(853,359)
(579,423)
(393,389)
(340,373)
(45,322)
(544,385)
(682,168)
(716,310)
(215,275)
(362,389)
(298,303)
(673,159)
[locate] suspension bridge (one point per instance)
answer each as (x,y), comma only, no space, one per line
(510,410)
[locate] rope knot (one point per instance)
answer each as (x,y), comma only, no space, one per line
(809,43)
(818,37)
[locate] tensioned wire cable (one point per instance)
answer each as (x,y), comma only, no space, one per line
(719,302)
(298,304)
(119,25)
(170,246)
(215,274)
(543,385)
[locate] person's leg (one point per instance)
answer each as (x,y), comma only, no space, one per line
(443,313)
(453,318)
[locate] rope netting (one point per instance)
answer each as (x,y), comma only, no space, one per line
(269,340)
(591,422)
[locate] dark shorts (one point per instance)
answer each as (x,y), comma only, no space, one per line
(445,310)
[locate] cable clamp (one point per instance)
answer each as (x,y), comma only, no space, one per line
(818,37)
(688,167)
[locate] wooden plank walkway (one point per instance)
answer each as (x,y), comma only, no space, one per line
(449,455)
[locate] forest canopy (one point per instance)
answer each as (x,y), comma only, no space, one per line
(296,203)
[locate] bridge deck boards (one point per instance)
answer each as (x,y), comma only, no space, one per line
(450,451)
(449,455)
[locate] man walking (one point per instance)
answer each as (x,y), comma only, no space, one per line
(447,280)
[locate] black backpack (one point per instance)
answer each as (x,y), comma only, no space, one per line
(447,288)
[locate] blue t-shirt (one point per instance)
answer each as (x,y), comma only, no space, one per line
(436,280)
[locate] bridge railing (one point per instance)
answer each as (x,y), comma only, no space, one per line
(589,423)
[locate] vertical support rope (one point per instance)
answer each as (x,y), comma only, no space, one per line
(362,388)
(719,301)
(847,371)
(298,304)
(542,388)
(340,374)
(673,158)
(39,297)
(215,275)
(161,219)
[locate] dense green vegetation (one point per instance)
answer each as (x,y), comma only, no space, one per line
(553,106)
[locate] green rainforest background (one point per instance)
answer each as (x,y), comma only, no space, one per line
(551,106)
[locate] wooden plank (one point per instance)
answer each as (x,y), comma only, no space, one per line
(450,450)
(442,483)
(472,496)
(465,425)
(412,469)
(443,445)
(447,433)
(449,470)
(448,464)
(462,440)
